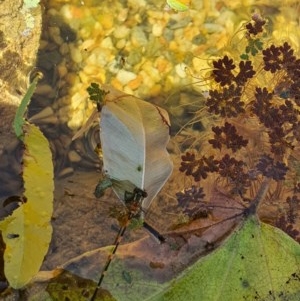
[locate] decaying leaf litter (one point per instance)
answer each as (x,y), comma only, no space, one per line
(69,194)
(156,265)
(155,262)
(160,263)
(125,270)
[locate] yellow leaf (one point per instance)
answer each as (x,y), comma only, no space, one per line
(27,232)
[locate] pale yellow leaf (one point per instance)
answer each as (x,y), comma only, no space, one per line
(27,232)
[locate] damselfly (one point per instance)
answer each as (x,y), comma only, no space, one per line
(133,201)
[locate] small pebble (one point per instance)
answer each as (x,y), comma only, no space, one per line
(63,114)
(157,29)
(84,78)
(116,84)
(66,172)
(45,116)
(168,34)
(87,44)
(107,43)
(54,33)
(199,39)
(136,3)
(156,14)
(64,49)
(179,23)
(123,15)
(121,44)
(181,70)
(75,54)
(135,56)
(76,100)
(155,90)
(135,83)
(162,65)
(213,28)
(90,70)
(45,89)
(138,37)
(106,20)
(127,90)
(152,72)
(89,165)
(75,119)
(124,76)
(121,32)
(148,80)
(74,156)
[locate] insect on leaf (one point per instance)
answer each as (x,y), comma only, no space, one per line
(27,232)
(134,135)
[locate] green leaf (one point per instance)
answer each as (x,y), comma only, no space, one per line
(27,232)
(19,120)
(258,44)
(97,95)
(257,262)
(253,47)
(244,56)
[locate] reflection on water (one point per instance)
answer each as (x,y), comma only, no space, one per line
(141,49)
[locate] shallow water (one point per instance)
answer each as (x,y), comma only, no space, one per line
(144,49)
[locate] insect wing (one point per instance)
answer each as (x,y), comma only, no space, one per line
(122,187)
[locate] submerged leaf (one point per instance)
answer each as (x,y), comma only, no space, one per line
(134,135)
(257,262)
(27,232)
(68,286)
(19,117)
